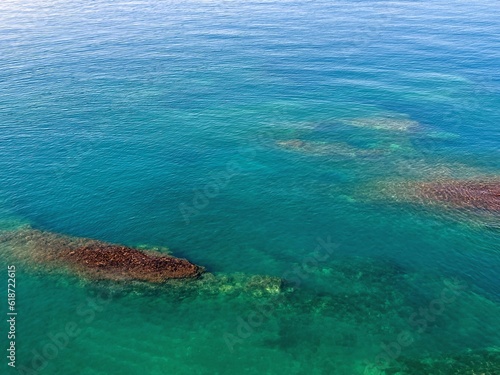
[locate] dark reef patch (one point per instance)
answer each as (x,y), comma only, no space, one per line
(474,200)
(457,194)
(338,149)
(123,270)
(95,260)
(103,261)
(467,194)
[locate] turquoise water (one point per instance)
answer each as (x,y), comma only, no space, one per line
(175,124)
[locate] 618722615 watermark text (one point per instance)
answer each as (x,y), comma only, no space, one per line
(11,316)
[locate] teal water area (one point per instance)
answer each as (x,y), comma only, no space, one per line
(236,134)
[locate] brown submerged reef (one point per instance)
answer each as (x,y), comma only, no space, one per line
(483,195)
(457,194)
(341,149)
(97,260)
(143,270)
(115,262)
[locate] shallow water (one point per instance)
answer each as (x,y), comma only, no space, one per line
(162,124)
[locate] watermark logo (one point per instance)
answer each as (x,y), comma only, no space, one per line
(419,322)
(247,324)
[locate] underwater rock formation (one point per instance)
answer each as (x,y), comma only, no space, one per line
(473,200)
(96,260)
(124,269)
(458,194)
(399,124)
(324,148)
(103,261)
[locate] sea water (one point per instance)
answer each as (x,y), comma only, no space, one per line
(242,135)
